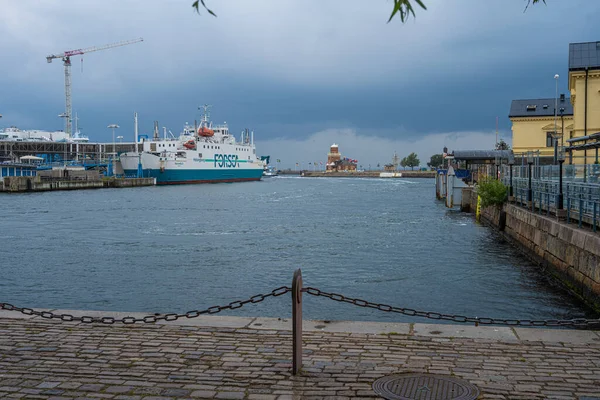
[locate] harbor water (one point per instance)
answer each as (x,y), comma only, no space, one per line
(181,248)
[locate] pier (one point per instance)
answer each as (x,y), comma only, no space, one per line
(369,174)
(76,353)
(68,166)
(251,358)
(16,184)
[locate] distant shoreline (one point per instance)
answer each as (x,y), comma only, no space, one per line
(365,174)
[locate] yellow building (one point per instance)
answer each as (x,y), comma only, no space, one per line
(584,85)
(533,121)
(534,126)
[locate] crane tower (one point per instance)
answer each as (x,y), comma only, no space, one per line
(66,58)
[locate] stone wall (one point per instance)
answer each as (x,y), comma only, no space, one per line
(568,253)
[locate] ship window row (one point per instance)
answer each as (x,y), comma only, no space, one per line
(210,147)
(166,145)
(241,149)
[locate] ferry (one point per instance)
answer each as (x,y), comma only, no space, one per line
(201,154)
(270,171)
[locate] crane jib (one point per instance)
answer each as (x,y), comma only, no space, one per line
(73,53)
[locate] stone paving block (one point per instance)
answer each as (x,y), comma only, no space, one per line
(230,395)
(203,394)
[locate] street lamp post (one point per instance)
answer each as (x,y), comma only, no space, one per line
(113,127)
(555,128)
(560,201)
(64,115)
(529,190)
(120,139)
(497,163)
(562,129)
(510,179)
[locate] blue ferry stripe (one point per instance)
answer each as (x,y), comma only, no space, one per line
(178,176)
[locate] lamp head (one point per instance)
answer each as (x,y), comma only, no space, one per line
(530,157)
(561,153)
(556,76)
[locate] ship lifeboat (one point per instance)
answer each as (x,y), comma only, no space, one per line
(190,144)
(206,132)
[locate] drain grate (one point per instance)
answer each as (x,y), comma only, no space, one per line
(424,387)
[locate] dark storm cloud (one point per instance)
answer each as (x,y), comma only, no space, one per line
(287,69)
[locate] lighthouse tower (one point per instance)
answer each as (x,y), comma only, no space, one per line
(332,157)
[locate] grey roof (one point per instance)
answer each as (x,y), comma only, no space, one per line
(584,55)
(535,108)
(482,155)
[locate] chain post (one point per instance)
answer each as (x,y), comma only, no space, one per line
(297,322)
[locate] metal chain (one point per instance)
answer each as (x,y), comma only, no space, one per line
(149,318)
(450,317)
(314,292)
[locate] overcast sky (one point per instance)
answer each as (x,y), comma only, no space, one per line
(301,74)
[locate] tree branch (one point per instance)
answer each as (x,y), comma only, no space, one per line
(402,8)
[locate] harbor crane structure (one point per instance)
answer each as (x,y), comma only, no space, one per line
(66,58)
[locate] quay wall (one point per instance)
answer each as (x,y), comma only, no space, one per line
(129,182)
(568,253)
(16,184)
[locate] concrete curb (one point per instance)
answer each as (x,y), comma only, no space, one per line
(446,331)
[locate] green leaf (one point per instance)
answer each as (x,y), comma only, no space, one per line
(397,4)
(196,5)
(405,9)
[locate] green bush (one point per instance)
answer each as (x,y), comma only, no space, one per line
(492,192)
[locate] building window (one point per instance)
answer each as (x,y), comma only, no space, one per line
(531,107)
(571,135)
(549,139)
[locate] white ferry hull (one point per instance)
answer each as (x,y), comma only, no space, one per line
(218,168)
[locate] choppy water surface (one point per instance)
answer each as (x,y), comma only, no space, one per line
(179,248)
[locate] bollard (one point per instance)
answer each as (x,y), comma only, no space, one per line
(297,322)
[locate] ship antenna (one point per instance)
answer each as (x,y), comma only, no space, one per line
(205,114)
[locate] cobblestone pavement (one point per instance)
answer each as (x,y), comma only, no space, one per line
(42,359)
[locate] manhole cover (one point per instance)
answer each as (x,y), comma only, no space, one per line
(424,387)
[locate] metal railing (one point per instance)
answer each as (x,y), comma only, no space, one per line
(580,188)
(583,203)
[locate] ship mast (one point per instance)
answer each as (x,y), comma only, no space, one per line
(205,115)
